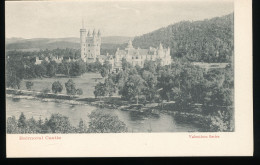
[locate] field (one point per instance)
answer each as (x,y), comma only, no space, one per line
(86,82)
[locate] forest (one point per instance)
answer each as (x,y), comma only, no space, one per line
(201,41)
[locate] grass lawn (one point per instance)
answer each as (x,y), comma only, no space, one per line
(86,82)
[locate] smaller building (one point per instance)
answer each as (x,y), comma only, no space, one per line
(37,61)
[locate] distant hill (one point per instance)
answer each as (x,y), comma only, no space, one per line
(62,43)
(209,40)
(115,39)
(13,39)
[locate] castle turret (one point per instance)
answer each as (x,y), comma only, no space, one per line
(130,46)
(160,51)
(88,34)
(83,40)
(160,46)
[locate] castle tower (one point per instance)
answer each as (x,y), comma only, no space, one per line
(83,41)
(92,47)
(160,46)
(129,46)
(160,50)
(98,42)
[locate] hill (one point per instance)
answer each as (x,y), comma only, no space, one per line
(207,40)
(109,42)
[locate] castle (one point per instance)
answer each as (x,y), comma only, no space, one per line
(90,52)
(90,45)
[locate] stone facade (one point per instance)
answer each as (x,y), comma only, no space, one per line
(139,56)
(90,52)
(90,45)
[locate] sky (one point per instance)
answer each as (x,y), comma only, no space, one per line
(56,19)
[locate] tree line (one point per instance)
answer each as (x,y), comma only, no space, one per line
(100,122)
(21,65)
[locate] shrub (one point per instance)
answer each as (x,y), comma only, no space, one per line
(70,87)
(79,91)
(57,87)
(29,85)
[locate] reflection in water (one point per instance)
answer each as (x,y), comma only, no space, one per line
(135,121)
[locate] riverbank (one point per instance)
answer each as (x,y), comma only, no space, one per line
(113,103)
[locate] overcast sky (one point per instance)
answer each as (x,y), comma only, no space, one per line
(114,18)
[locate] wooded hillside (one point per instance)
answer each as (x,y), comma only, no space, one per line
(207,40)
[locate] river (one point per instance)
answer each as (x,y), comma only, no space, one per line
(135,122)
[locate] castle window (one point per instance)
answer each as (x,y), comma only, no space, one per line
(88,44)
(88,50)
(136,57)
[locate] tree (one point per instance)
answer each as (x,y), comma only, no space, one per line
(51,68)
(97,66)
(67,66)
(70,87)
(150,85)
(40,70)
(133,88)
(103,122)
(29,85)
(100,90)
(22,123)
(150,66)
(104,72)
(32,126)
(61,69)
(126,65)
(78,68)
(197,41)
(110,87)
(11,125)
(59,124)
(221,122)
(107,65)
(56,87)
(14,72)
(13,81)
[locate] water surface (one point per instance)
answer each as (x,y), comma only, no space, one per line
(136,122)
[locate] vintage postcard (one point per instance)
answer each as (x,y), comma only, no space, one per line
(129,78)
